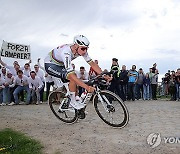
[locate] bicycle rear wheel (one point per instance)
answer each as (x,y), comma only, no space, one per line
(111,109)
(68,115)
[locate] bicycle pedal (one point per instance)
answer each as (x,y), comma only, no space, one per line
(81,114)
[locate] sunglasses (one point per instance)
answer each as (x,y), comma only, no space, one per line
(83,49)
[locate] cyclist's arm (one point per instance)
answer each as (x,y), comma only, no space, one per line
(95,67)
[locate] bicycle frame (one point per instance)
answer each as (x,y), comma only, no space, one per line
(87,97)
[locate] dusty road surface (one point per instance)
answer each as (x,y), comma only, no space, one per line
(92,136)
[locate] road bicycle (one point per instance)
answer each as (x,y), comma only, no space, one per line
(109,107)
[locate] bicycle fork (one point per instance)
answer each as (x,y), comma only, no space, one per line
(105,103)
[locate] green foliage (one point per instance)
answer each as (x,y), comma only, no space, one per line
(12,142)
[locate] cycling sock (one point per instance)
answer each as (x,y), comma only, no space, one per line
(73,97)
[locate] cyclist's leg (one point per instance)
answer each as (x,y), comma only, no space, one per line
(56,71)
(75,103)
(60,72)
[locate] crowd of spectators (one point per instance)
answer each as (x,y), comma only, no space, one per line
(24,85)
(135,84)
(171,84)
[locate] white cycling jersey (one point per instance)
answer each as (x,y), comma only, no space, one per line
(63,56)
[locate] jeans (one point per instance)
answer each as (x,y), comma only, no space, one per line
(1,96)
(7,95)
(146,92)
(18,90)
(139,88)
(177,91)
(35,93)
(131,91)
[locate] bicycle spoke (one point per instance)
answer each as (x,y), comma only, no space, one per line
(116,115)
(68,115)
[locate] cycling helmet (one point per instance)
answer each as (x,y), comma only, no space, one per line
(81,40)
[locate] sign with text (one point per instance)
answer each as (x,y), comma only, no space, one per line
(13,50)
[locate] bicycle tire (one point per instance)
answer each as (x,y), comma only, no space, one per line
(100,109)
(55,99)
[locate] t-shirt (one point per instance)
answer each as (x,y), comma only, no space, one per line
(154,79)
(20,81)
(140,78)
(35,83)
(133,76)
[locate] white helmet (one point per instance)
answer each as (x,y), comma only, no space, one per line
(81,40)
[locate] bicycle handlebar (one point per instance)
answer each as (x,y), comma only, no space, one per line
(98,80)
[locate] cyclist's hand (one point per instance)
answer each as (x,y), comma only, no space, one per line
(90,89)
(107,78)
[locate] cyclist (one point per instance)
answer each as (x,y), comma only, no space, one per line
(58,64)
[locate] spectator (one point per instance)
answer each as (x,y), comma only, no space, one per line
(150,77)
(154,84)
(133,75)
(105,71)
(14,69)
(8,91)
(146,87)
(115,72)
(83,75)
(35,86)
(177,79)
(123,80)
(22,84)
(11,68)
(3,73)
(40,74)
(92,73)
(139,84)
(49,84)
(166,83)
(27,69)
(172,87)
(154,68)
(2,82)
(48,79)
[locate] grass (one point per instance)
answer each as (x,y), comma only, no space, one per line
(164,97)
(13,142)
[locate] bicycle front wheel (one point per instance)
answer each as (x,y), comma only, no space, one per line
(111,109)
(68,115)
